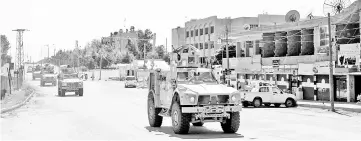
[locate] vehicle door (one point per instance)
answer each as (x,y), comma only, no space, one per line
(163,87)
(168,90)
(277,95)
(265,94)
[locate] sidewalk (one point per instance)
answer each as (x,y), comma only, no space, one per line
(347,106)
(16,97)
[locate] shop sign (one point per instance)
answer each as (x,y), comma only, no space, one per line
(305,69)
(278,70)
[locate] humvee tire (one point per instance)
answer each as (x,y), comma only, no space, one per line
(80,92)
(198,124)
(62,92)
(154,119)
(232,124)
(180,121)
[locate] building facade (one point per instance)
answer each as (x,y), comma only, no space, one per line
(295,56)
(178,37)
(206,34)
(120,39)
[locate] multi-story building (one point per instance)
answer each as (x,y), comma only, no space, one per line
(295,56)
(206,34)
(120,39)
(178,37)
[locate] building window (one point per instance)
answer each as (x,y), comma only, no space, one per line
(201,32)
(191,33)
(205,30)
(205,45)
(324,36)
(187,35)
(200,46)
(212,29)
(185,50)
(212,45)
(253,26)
(196,32)
(196,45)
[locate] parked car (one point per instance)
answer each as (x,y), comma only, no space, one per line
(130,81)
(267,95)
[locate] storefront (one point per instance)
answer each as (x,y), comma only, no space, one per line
(281,76)
(315,82)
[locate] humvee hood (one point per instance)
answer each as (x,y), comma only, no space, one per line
(71,80)
(209,88)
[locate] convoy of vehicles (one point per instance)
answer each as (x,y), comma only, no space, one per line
(267,95)
(69,81)
(192,95)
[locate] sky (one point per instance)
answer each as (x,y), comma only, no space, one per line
(59,23)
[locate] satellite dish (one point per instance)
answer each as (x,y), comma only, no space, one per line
(247,27)
(335,6)
(292,16)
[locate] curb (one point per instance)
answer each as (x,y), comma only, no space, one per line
(18,105)
(328,107)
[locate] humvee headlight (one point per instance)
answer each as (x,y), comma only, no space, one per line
(233,98)
(192,99)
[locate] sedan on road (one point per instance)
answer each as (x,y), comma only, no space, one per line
(130,81)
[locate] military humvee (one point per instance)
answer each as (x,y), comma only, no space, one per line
(191,95)
(69,81)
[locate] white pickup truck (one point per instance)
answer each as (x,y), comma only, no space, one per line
(268,95)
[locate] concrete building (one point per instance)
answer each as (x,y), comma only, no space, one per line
(295,56)
(178,37)
(120,39)
(206,34)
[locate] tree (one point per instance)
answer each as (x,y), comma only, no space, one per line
(160,50)
(127,58)
(5,46)
(143,40)
(166,58)
(131,48)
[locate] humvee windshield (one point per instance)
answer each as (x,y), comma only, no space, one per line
(205,77)
(197,77)
(67,71)
(70,76)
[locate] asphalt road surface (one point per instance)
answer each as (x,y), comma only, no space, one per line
(108,111)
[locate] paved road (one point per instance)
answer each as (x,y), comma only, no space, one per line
(108,111)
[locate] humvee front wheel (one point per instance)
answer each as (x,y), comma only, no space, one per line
(80,92)
(231,125)
(154,119)
(62,92)
(180,121)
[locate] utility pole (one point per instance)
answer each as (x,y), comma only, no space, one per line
(331,65)
(20,50)
(144,51)
(48,51)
